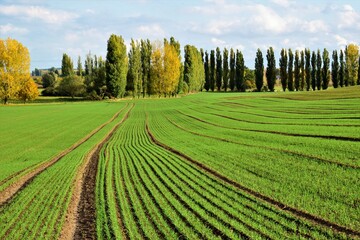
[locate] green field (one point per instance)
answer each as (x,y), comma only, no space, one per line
(203,166)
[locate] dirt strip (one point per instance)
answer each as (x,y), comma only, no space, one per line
(80,220)
(280,205)
(7,194)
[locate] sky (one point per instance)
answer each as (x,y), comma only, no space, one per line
(76,27)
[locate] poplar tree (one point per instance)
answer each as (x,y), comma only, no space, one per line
(219,71)
(212,70)
(342,69)
(283,68)
(325,69)
(79,67)
(67,67)
(116,66)
(318,70)
(207,72)
(193,69)
(297,70)
(290,71)
(259,70)
(302,70)
(134,78)
(232,70)
(225,69)
(308,69)
(313,70)
(335,69)
(239,72)
(271,69)
(145,52)
(352,64)
(346,68)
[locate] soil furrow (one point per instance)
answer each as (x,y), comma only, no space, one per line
(278,204)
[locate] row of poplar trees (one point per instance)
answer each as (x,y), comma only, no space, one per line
(309,69)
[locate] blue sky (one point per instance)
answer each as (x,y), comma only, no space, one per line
(51,28)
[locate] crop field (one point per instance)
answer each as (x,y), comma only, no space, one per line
(203,166)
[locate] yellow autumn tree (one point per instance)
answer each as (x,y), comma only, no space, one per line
(352,63)
(165,69)
(28,90)
(14,70)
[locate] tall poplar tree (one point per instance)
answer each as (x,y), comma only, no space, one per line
(232,70)
(212,70)
(352,64)
(259,70)
(145,53)
(313,71)
(342,69)
(302,70)
(283,68)
(134,78)
(116,66)
(207,72)
(290,71)
(219,72)
(79,67)
(308,69)
(325,69)
(239,72)
(271,69)
(225,69)
(297,70)
(335,69)
(318,70)
(67,67)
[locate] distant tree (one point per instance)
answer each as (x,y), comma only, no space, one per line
(290,71)
(134,76)
(72,86)
(313,71)
(352,64)
(79,67)
(212,70)
(219,71)
(48,79)
(172,69)
(146,49)
(207,72)
(28,90)
(308,69)
(240,72)
(346,68)
(259,70)
(67,67)
(325,69)
(176,45)
(297,70)
(232,70)
(335,69)
(193,69)
(318,70)
(271,69)
(225,69)
(283,68)
(341,69)
(116,66)
(302,70)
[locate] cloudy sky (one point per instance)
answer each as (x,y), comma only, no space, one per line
(75,27)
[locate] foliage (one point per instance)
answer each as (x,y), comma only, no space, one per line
(341,69)
(259,70)
(212,70)
(219,69)
(313,71)
(302,70)
(72,86)
(240,72)
(325,69)
(207,72)
(225,69)
(67,66)
(290,74)
(146,49)
(297,70)
(232,70)
(271,69)
(352,64)
(335,69)
(49,79)
(79,67)
(318,70)
(194,74)
(308,68)
(116,66)
(28,90)
(283,68)
(134,77)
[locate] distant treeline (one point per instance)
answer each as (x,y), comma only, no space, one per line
(156,68)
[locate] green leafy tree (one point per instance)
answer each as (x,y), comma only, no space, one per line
(212,70)
(259,70)
(240,72)
(325,69)
(67,67)
(145,52)
(219,71)
(352,64)
(79,67)
(134,77)
(335,69)
(72,86)
(232,70)
(290,71)
(225,69)
(313,71)
(193,69)
(318,70)
(283,68)
(297,70)
(207,72)
(49,79)
(308,69)
(116,66)
(341,69)
(176,45)
(271,69)
(302,70)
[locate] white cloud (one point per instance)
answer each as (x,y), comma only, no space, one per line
(283,3)
(341,41)
(348,17)
(218,42)
(154,30)
(314,26)
(36,12)
(9,29)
